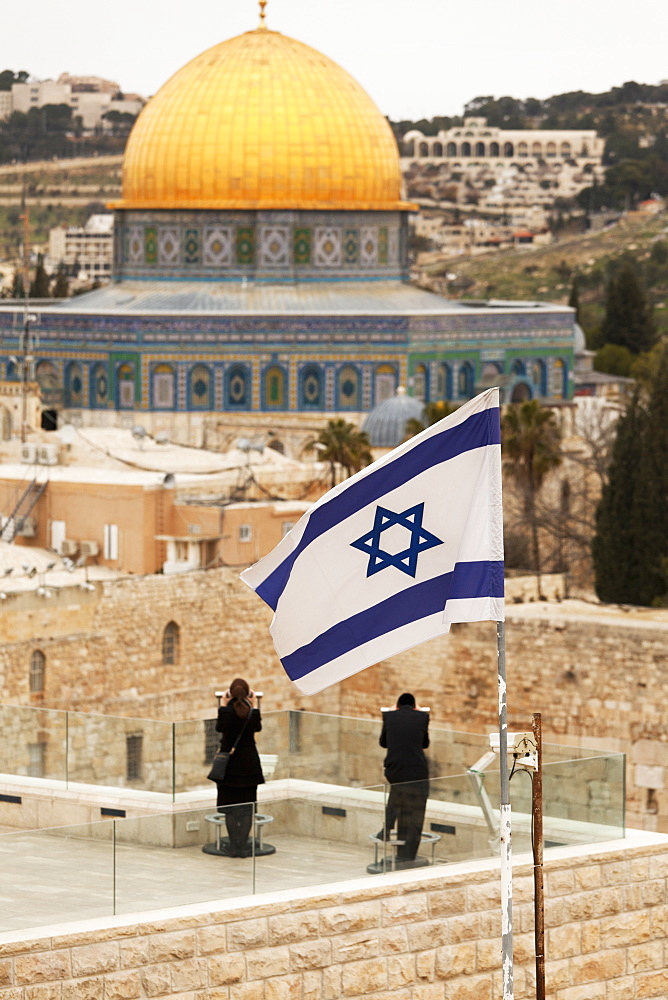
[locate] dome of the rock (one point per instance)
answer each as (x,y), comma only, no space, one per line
(261,121)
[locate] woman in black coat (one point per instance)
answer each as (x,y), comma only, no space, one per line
(238,792)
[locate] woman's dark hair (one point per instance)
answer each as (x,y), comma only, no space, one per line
(239,691)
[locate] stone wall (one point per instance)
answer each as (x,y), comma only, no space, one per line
(597,675)
(411,936)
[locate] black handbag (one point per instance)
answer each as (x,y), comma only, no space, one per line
(222,757)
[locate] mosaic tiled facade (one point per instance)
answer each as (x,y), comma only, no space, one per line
(228,245)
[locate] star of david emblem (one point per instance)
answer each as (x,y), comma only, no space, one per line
(406,558)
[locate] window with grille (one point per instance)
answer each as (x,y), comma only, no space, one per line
(170,644)
(37,671)
(245,532)
(134,750)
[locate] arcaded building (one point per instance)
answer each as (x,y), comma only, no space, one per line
(260,268)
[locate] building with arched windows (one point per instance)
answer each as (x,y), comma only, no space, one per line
(260,268)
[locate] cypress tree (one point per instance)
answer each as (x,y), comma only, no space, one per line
(628,319)
(574,299)
(39,287)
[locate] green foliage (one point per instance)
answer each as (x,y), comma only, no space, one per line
(614,359)
(628,319)
(341,443)
(630,547)
(531,446)
(61,287)
(574,298)
(432,413)
(39,286)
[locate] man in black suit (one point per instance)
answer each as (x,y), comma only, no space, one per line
(405,735)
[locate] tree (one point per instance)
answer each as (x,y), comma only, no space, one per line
(531,441)
(340,443)
(432,413)
(630,547)
(628,319)
(574,299)
(39,286)
(61,288)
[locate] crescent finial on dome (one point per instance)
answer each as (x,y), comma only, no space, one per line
(263,4)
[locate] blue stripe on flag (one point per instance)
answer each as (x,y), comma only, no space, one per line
(478,431)
(467,580)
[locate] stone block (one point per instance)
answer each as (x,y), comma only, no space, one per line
(593,991)
(331,982)
(6,972)
(283,988)
(590,936)
(447,902)
(94,959)
(312,985)
(426,991)
(289,927)
(122,986)
(559,882)
(189,974)
(402,909)
(401,969)
(483,897)
(211,940)
(355,917)
(624,929)
(620,989)
(425,965)
(262,963)
(45,991)
(167,947)
(310,954)
(658,866)
(645,957)
(45,966)
(469,988)
(564,942)
(462,928)
(652,984)
(134,952)
(363,978)
(13,993)
(648,776)
(156,979)
(488,954)
(83,989)
(455,960)
(226,969)
(557,975)
(393,939)
(247,991)
(431,934)
(587,877)
(598,967)
(616,873)
(247,934)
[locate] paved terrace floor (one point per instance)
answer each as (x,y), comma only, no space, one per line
(46,877)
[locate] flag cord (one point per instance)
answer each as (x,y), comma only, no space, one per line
(505,823)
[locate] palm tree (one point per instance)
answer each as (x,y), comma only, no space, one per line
(531,441)
(432,413)
(340,443)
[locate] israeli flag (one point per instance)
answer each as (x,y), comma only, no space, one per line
(392,556)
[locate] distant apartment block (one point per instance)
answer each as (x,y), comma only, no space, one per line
(85,250)
(90,98)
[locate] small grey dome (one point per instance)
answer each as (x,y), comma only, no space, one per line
(386,424)
(580,344)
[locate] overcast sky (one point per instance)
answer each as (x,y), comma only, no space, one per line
(416,58)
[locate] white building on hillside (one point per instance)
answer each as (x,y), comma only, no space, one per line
(85,250)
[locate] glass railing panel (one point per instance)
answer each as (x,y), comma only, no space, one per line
(121,752)
(584,799)
(173,859)
(33,742)
(56,875)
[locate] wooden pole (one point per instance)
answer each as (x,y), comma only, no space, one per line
(537,845)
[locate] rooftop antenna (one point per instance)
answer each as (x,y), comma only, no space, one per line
(263,4)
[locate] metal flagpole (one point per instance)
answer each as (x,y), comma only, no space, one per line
(504,824)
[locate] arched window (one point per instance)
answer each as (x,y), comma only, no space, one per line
(538,376)
(465,381)
(508,149)
(466,149)
(274,386)
(237,388)
(452,149)
(522,149)
(420,387)
(444,384)
(384,383)
(37,671)
(12,371)
(551,150)
(125,390)
(348,388)
(557,378)
(74,384)
(311,388)
(170,644)
(99,386)
(47,376)
(437,149)
(566,150)
(537,149)
(423,149)
(517,368)
(493,149)
(200,384)
(480,149)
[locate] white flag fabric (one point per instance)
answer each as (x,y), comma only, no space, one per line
(392,556)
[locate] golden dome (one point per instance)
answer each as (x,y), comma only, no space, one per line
(261,121)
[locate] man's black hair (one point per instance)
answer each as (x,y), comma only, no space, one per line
(406,699)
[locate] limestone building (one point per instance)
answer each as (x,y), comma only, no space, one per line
(260,266)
